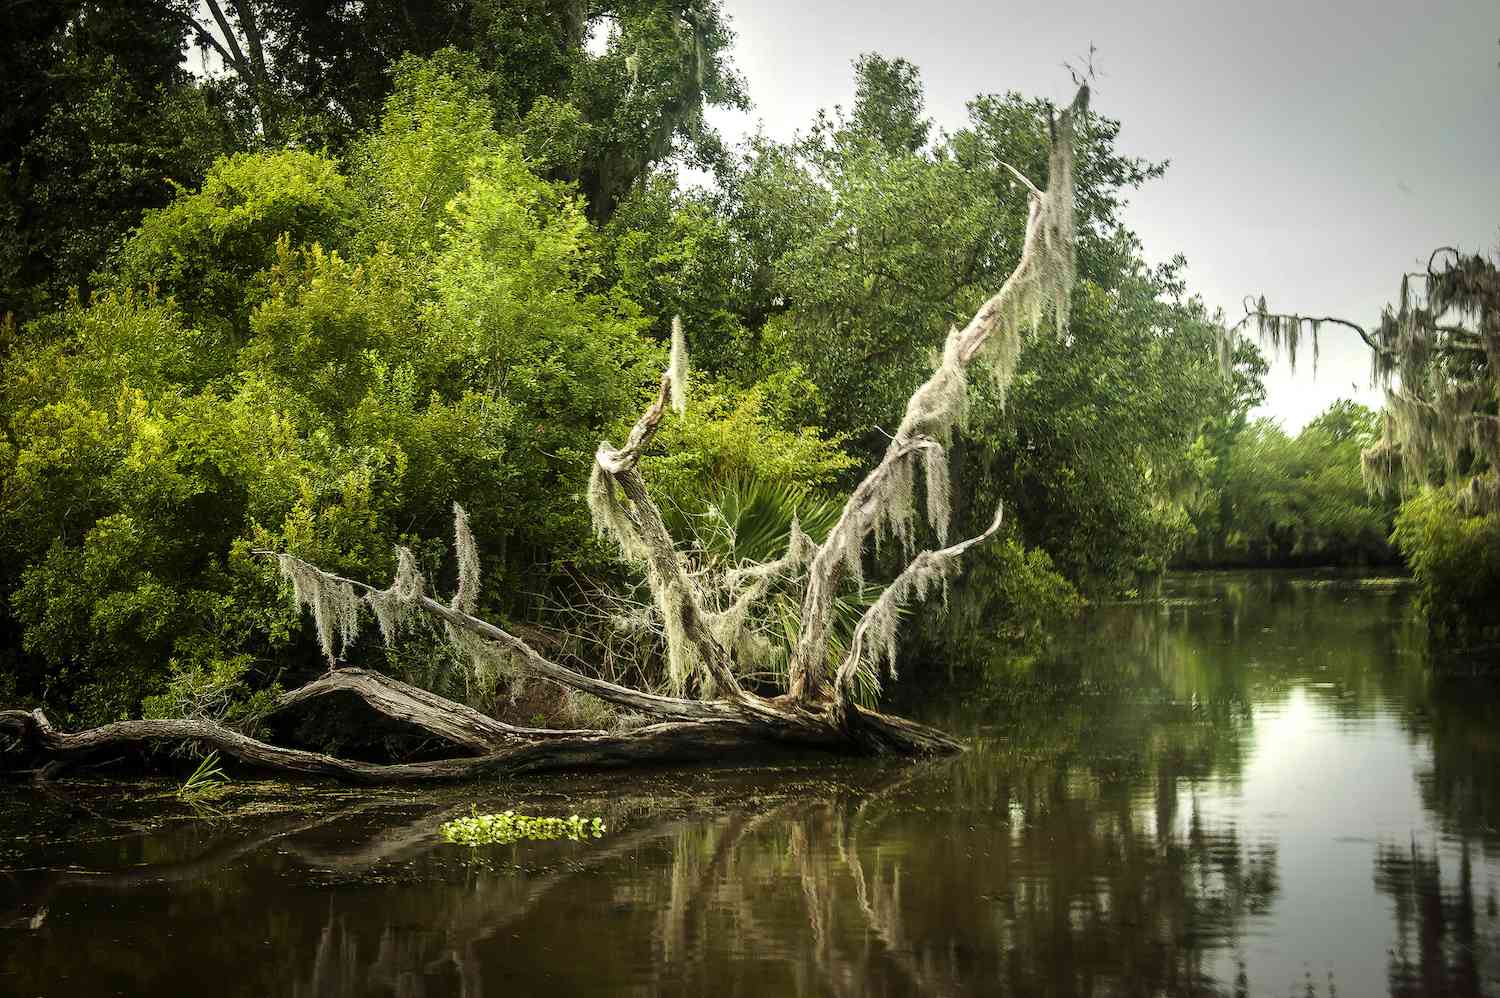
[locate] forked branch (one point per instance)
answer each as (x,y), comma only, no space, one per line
(638,528)
(1042,279)
(874,640)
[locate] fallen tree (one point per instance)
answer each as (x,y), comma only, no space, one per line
(709,644)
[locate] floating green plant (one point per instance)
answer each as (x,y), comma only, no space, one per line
(506,827)
(208,783)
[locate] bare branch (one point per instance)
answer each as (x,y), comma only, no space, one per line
(1025,181)
(456,723)
(202,35)
(617,461)
(929,569)
(1042,277)
(528,658)
(1262,316)
(246,14)
(643,536)
(659,742)
(235,56)
(251,69)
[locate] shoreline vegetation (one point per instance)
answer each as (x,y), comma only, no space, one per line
(706,650)
(267,330)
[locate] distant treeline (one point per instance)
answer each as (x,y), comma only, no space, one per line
(1278,500)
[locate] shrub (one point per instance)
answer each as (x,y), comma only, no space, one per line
(1456,561)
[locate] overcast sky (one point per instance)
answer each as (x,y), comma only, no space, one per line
(1317,149)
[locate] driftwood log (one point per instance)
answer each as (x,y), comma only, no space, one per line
(707,650)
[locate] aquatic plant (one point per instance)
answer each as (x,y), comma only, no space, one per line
(506,827)
(207,783)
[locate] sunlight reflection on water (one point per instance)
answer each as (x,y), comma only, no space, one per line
(1253,787)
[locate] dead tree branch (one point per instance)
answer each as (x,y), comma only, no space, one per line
(1042,277)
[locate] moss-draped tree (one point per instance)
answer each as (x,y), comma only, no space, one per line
(1436,351)
(713,708)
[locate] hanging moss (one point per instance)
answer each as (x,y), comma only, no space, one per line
(677,368)
(466,597)
(332,602)
(1437,352)
(873,650)
(391,605)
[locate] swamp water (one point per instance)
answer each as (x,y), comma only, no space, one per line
(1254,786)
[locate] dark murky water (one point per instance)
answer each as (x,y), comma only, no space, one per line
(1254,787)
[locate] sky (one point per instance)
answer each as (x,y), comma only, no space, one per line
(1318,149)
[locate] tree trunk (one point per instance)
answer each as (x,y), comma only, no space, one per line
(484,746)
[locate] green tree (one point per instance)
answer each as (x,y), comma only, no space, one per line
(858,245)
(265,368)
(100,122)
(1300,500)
(844,256)
(318,74)
(1455,557)
(103,119)
(1436,352)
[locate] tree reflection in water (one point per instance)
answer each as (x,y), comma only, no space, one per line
(1444,934)
(1088,844)
(908,882)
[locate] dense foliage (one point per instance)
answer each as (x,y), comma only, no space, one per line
(470,286)
(265,369)
(102,118)
(99,120)
(1280,500)
(1456,558)
(1442,434)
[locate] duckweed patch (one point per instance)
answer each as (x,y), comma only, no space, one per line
(506,827)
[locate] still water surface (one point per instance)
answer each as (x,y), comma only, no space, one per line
(1255,786)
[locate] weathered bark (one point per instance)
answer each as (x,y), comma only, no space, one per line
(649,704)
(462,726)
(671,583)
(485,746)
(767,726)
(809,667)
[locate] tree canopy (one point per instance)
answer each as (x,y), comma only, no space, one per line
(445,277)
(1280,499)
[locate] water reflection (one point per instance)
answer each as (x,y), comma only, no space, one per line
(1445,930)
(1255,786)
(851,894)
